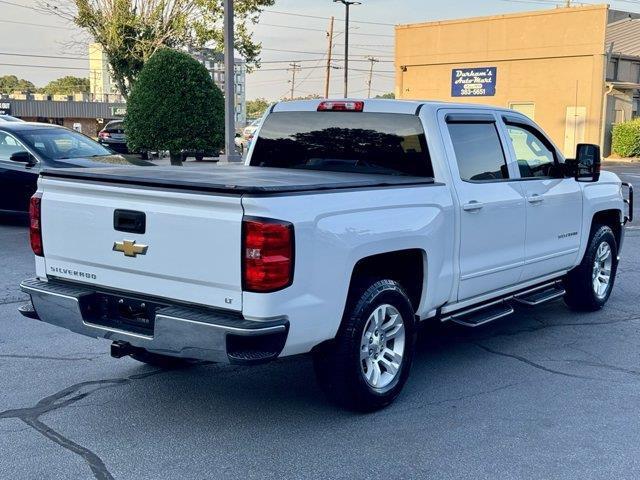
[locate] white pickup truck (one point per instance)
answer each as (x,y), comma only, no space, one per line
(350,223)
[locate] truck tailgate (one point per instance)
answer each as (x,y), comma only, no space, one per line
(193,241)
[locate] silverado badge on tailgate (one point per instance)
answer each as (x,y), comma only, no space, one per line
(130,248)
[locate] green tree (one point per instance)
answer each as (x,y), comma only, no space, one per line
(255,108)
(386,95)
(11,83)
(66,86)
(131,31)
(175,106)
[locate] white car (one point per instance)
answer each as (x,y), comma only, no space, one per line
(9,118)
(351,222)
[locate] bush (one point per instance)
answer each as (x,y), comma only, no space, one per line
(174,105)
(626,139)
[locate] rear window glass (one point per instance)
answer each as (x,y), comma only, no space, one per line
(358,142)
(114,127)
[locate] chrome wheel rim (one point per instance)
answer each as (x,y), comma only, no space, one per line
(382,346)
(601,274)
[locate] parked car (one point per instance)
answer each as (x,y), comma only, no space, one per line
(9,118)
(250,129)
(27,148)
(112,136)
(351,223)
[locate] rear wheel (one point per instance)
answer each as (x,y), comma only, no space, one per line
(199,157)
(589,285)
(161,361)
(368,363)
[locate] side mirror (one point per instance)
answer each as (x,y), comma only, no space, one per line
(588,162)
(23,157)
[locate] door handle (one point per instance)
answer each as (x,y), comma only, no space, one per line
(535,198)
(472,206)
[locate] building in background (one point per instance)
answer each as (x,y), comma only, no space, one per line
(101,84)
(575,71)
(103,87)
(214,62)
(83,116)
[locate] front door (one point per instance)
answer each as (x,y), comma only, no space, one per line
(491,206)
(553,203)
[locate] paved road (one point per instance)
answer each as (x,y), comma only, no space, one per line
(546,393)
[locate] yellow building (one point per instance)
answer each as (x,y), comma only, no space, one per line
(573,70)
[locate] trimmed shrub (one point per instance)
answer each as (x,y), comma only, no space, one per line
(626,139)
(174,105)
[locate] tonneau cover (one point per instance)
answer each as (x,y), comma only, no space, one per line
(234,179)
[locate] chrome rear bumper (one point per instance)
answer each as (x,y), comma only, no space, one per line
(178,331)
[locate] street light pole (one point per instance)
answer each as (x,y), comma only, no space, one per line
(347,4)
(230,154)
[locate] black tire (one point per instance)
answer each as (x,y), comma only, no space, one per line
(144,155)
(581,294)
(160,361)
(199,158)
(338,364)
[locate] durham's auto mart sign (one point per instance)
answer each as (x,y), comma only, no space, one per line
(474,82)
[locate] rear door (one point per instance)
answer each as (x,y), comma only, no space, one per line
(170,244)
(553,202)
(491,205)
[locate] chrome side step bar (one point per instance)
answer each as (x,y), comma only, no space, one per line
(483,315)
(502,307)
(540,296)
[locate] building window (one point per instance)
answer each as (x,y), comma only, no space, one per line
(636,106)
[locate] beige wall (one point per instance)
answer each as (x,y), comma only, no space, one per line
(553,59)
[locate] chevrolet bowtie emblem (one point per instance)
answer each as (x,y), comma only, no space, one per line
(129,248)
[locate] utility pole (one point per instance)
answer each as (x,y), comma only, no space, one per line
(230,154)
(373,61)
(329,54)
(295,67)
(347,4)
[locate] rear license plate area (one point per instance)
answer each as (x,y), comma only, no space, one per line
(120,313)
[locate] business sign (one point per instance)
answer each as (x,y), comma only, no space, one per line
(118,111)
(5,108)
(474,82)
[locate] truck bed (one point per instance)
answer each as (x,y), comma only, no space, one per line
(235,179)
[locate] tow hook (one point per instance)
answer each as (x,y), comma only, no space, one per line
(121,349)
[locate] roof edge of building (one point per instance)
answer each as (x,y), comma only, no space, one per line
(485,18)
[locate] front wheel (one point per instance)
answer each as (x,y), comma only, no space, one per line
(368,363)
(589,285)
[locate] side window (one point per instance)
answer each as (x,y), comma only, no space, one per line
(8,146)
(534,158)
(478,151)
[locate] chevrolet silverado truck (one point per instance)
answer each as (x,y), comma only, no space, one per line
(350,223)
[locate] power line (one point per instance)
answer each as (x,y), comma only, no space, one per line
(16,22)
(327,18)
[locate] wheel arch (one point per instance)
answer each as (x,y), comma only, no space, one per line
(408,267)
(612,218)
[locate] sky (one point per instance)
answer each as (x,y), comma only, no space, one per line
(289,31)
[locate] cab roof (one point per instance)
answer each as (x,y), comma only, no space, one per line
(379,105)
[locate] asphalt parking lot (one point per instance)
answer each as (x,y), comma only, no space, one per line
(545,393)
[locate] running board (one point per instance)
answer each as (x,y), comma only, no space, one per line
(540,296)
(482,315)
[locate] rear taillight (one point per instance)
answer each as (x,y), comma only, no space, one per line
(104,135)
(267,255)
(35,224)
(340,106)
